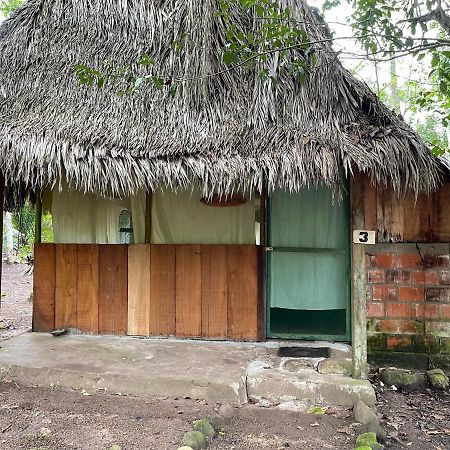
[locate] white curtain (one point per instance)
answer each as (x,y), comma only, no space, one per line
(87,218)
(180,218)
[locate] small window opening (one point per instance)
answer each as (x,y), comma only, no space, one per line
(126,228)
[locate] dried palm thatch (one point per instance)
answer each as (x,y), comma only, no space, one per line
(229,131)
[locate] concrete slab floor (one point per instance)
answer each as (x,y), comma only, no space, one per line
(216,371)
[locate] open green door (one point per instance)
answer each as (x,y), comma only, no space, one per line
(308,265)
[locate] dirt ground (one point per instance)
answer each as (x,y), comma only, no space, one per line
(419,420)
(76,421)
(16,305)
(57,419)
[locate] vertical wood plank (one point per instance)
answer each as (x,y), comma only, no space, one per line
(148,216)
(44,287)
(188,291)
(113,289)
(242,282)
(138,289)
(358,281)
(214,291)
(162,290)
(441,217)
(66,286)
(87,287)
(370,204)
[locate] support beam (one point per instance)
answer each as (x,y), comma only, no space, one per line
(358,281)
(38,220)
(148,217)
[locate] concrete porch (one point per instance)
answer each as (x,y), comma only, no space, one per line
(210,370)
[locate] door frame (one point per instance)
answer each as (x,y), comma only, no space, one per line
(347,337)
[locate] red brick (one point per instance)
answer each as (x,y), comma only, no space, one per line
(398,310)
(435,261)
(382,260)
(429,277)
(409,260)
(426,311)
(444,277)
(444,312)
(398,342)
(437,295)
(441,329)
(396,326)
(411,294)
(375,276)
(383,293)
(375,309)
(418,277)
(397,276)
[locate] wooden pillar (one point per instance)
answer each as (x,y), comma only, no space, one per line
(262,269)
(358,282)
(148,217)
(38,220)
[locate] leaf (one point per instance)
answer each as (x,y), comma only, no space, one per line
(230,57)
(146,60)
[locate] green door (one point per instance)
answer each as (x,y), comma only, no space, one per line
(308,265)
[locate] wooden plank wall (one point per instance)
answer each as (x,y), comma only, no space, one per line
(210,291)
(402,217)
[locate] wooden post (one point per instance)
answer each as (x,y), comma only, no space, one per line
(148,217)
(262,270)
(38,222)
(358,281)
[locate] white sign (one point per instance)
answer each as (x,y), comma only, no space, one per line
(364,237)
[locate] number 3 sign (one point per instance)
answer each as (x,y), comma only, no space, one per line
(364,237)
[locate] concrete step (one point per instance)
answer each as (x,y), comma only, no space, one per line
(284,381)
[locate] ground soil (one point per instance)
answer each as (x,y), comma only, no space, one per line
(16,302)
(97,421)
(416,421)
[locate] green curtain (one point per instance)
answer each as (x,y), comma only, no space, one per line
(301,277)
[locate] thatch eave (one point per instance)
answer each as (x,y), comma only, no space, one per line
(223,133)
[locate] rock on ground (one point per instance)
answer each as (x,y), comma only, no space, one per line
(437,379)
(403,378)
(205,427)
(363,414)
(194,439)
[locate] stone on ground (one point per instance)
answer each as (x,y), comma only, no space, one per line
(438,379)
(184,448)
(194,439)
(403,378)
(205,427)
(227,411)
(366,439)
(376,428)
(44,432)
(115,447)
(338,366)
(363,414)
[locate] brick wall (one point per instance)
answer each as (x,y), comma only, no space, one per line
(408,299)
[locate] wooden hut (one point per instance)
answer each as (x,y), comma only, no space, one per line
(225,212)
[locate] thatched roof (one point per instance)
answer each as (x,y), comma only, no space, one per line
(229,130)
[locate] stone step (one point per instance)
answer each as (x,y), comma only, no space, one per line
(269,383)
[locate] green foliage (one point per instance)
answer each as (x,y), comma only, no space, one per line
(24,222)
(390,29)
(8,6)
(277,32)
